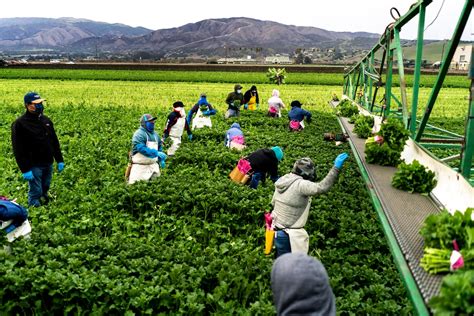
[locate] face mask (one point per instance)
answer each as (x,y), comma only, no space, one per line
(239,91)
(39,108)
(150,126)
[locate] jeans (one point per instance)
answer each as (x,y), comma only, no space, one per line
(16,213)
(282,243)
(256,177)
(39,186)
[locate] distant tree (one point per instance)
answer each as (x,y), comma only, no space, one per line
(299,58)
(307,60)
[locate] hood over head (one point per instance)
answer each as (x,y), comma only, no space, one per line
(235,125)
(275,93)
(300,286)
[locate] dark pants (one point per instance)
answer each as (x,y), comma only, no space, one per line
(260,176)
(39,186)
(282,243)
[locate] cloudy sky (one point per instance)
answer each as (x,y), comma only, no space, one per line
(334,15)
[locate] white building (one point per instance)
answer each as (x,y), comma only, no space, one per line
(277,59)
(231,60)
(462,57)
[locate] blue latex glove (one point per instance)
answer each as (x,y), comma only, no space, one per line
(28,175)
(162,164)
(206,113)
(162,156)
(340,160)
(246,106)
(60,166)
(190,136)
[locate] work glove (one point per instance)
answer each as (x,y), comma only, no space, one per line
(162,156)
(246,106)
(190,136)
(60,166)
(28,175)
(340,160)
(162,164)
(206,113)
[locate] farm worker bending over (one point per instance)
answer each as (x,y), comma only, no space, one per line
(300,286)
(264,161)
(146,151)
(36,146)
(234,137)
(234,101)
(203,111)
(251,99)
(291,202)
(175,126)
(275,104)
(297,115)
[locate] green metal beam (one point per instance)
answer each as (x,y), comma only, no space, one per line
(401,75)
(388,85)
(417,73)
(445,65)
(468,152)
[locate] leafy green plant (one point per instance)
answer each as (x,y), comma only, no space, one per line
(346,108)
(277,75)
(456,295)
(363,126)
(414,178)
(353,118)
(387,153)
(439,230)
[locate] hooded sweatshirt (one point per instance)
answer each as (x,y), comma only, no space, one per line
(300,286)
(275,101)
(292,197)
(232,132)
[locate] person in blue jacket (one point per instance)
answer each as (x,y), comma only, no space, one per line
(203,110)
(297,116)
(146,151)
(234,137)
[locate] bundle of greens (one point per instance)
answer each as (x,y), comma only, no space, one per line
(414,178)
(363,126)
(346,108)
(456,296)
(387,153)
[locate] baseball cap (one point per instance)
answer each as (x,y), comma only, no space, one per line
(178,104)
(296,103)
(148,118)
(33,97)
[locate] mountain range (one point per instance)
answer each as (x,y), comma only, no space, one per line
(211,37)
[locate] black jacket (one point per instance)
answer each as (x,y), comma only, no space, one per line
(265,161)
(248,95)
(34,141)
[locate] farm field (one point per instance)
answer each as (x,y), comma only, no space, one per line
(190,242)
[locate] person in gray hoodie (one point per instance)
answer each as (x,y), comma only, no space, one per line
(291,202)
(300,286)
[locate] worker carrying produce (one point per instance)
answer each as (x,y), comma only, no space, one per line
(291,202)
(259,163)
(36,146)
(297,116)
(175,125)
(13,219)
(234,101)
(234,137)
(275,104)
(146,152)
(251,99)
(203,110)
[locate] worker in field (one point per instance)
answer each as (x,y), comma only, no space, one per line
(275,104)
(146,152)
(36,146)
(264,161)
(300,286)
(291,202)
(234,101)
(234,137)
(297,116)
(175,126)
(251,99)
(203,111)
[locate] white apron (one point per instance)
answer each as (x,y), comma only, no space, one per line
(200,120)
(143,167)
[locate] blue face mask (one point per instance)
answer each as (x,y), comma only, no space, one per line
(150,126)
(39,108)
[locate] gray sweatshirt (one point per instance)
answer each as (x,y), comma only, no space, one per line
(293,196)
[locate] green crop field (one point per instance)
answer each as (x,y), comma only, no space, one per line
(192,241)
